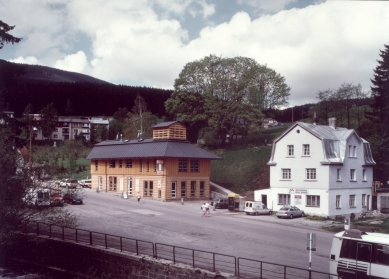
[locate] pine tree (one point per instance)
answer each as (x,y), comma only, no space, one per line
(379,138)
(380,91)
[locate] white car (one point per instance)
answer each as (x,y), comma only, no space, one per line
(256,208)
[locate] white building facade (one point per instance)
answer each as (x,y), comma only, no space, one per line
(323,170)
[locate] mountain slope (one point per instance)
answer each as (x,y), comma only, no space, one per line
(27,73)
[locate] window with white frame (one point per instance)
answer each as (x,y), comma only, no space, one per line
(290,150)
(313,201)
(283,199)
(337,202)
(310,174)
(353,175)
(363,200)
(350,151)
(351,201)
(338,177)
(112,183)
(354,151)
(306,151)
(174,190)
(364,175)
(286,174)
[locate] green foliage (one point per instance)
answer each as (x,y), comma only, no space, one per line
(226,94)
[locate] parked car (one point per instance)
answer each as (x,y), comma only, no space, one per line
(220,203)
(256,207)
(290,212)
(73,198)
(86,183)
(69,183)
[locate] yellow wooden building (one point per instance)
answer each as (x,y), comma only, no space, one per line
(165,167)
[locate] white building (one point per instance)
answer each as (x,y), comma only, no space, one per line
(323,170)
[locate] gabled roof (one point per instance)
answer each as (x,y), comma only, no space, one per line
(334,142)
(148,148)
(166,124)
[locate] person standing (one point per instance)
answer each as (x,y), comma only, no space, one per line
(138,198)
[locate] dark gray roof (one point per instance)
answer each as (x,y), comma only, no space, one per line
(148,148)
(166,124)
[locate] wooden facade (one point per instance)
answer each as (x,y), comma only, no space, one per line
(162,178)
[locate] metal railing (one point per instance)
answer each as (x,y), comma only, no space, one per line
(195,258)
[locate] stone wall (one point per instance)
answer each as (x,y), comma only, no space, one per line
(74,260)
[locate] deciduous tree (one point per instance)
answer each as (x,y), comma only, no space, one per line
(49,120)
(226,94)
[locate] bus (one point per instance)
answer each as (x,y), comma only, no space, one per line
(359,254)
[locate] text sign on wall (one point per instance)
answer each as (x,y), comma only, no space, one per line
(298,191)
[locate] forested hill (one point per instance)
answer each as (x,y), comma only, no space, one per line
(23,84)
(27,73)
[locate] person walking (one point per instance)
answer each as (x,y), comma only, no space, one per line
(138,198)
(203,208)
(207,209)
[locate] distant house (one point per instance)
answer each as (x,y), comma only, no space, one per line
(165,167)
(269,122)
(323,170)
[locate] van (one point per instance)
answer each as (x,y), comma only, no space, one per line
(86,183)
(256,208)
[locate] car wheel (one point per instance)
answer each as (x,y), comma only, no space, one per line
(303,214)
(256,213)
(291,216)
(247,213)
(278,217)
(270,212)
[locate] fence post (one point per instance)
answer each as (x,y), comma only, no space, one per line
(261,270)
(90,238)
(213,262)
(121,245)
(76,235)
(310,274)
(174,254)
(37,228)
(193,260)
(284,272)
(136,245)
(106,244)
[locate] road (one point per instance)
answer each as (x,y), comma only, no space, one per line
(263,238)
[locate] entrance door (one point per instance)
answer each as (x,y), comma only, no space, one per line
(264,199)
(363,260)
(129,186)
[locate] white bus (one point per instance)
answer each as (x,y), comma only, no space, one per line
(357,254)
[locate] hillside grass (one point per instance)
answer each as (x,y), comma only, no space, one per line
(245,168)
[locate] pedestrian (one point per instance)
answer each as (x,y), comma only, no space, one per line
(203,208)
(138,198)
(207,209)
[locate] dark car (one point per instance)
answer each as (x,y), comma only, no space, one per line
(220,203)
(73,198)
(290,212)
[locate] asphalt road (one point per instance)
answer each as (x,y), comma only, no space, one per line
(263,238)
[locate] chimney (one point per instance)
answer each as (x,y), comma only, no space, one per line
(315,118)
(332,122)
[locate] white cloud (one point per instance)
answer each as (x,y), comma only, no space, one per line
(25,60)
(73,63)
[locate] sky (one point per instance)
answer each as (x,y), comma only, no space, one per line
(316,45)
